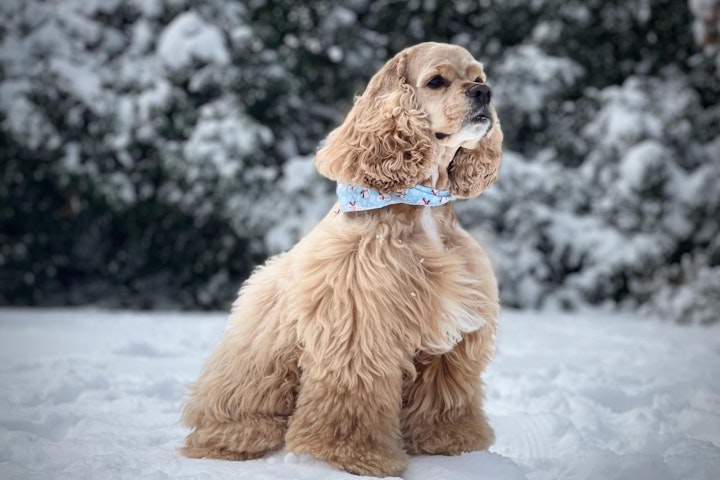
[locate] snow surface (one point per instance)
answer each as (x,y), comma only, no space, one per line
(97,395)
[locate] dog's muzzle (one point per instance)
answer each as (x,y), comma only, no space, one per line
(481,96)
(481,93)
(479,111)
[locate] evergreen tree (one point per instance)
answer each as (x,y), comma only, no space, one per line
(152,152)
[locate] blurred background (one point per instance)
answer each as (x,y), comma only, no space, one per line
(152,152)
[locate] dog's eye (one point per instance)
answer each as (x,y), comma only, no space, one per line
(478,80)
(436,82)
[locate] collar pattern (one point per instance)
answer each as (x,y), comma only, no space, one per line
(354,198)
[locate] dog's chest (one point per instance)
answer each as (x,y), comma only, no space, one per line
(428,222)
(430,227)
(460,305)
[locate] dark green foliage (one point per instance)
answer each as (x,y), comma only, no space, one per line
(152,153)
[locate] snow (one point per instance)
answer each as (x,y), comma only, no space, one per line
(221,137)
(150,8)
(625,116)
(302,203)
(188,38)
(97,394)
(31,123)
(80,80)
(640,161)
(531,76)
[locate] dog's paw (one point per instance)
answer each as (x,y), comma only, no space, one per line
(371,463)
(245,438)
(376,462)
(220,453)
(451,439)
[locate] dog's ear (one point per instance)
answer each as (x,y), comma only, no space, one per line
(474,170)
(385,141)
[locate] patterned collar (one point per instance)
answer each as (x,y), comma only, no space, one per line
(354,198)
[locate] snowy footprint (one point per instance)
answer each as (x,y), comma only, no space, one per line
(533,437)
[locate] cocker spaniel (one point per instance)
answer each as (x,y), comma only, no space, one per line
(365,342)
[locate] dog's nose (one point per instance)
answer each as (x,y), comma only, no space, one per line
(480,91)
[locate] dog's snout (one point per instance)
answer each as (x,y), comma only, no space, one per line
(479,91)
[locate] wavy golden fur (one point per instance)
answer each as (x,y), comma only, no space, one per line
(365,342)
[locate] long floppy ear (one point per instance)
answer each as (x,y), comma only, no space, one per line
(472,171)
(385,141)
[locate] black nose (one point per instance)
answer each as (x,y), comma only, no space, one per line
(480,91)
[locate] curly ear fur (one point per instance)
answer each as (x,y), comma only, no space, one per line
(472,171)
(385,141)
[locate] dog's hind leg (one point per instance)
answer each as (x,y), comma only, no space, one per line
(238,408)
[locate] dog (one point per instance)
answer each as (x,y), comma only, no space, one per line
(365,342)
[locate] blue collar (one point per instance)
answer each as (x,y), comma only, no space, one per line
(354,198)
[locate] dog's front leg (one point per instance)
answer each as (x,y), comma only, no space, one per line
(352,423)
(349,402)
(443,411)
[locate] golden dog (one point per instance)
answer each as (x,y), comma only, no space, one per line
(365,342)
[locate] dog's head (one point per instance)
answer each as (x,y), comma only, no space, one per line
(427,110)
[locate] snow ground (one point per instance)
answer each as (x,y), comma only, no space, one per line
(90,394)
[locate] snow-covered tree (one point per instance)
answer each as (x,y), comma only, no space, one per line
(127,112)
(153,151)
